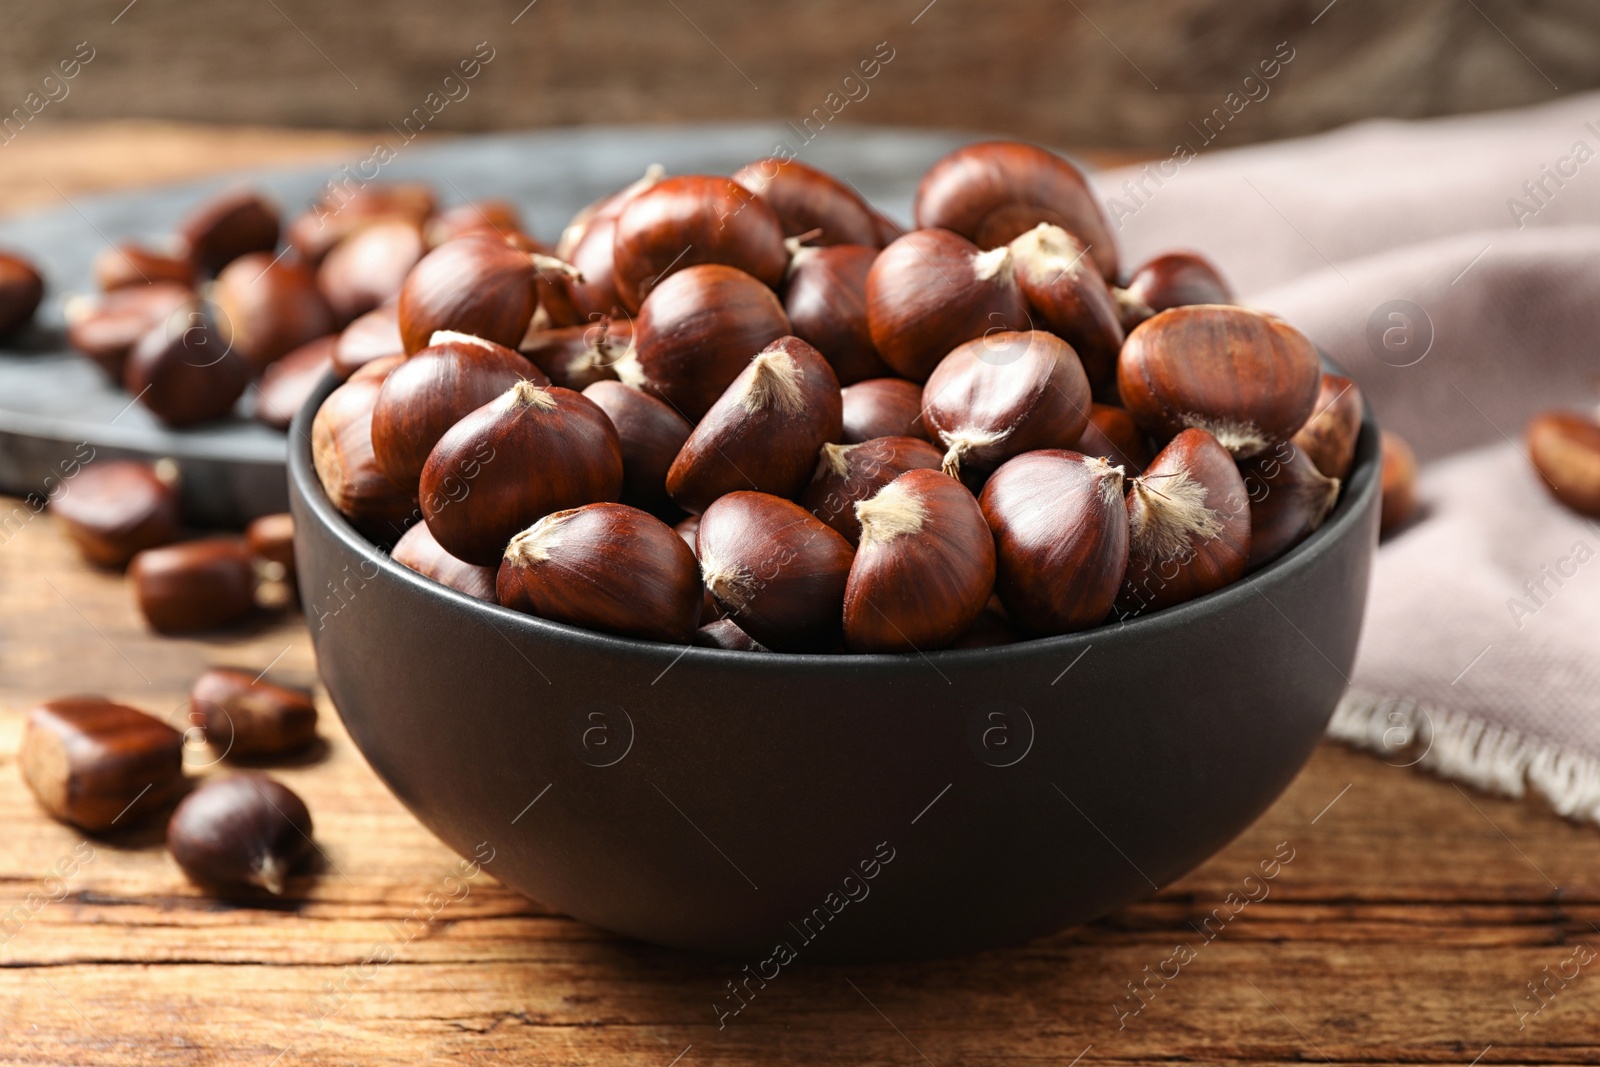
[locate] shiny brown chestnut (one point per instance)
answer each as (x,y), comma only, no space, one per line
(825,297)
(528,452)
(433,390)
(1061,539)
(725,634)
(184,372)
(500,216)
(777,570)
(1002,395)
(21,289)
(341,453)
(266,309)
(105,328)
(573,300)
(98,765)
(344,211)
(418,550)
(651,435)
(227,226)
(287,383)
(764,432)
(1168,281)
(1112,435)
(575,357)
(1564,448)
(991,629)
(849,474)
(689,220)
(271,539)
(994,191)
(882,407)
(244,830)
(1328,437)
(128,264)
(696,333)
(478,284)
(114,509)
(196,585)
(606,207)
(1189,521)
(1069,298)
(368,268)
(932,290)
(1399,482)
(605,567)
(806,199)
(373,336)
(243,715)
(1249,379)
(1289,499)
(924,569)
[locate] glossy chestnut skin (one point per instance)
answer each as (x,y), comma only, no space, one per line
(882,407)
(227,226)
(368,268)
(1112,435)
(693,219)
(806,199)
(1002,395)
(725,634)
(606,207)
(271,539)
(184,372)
(776,570)
(105,328)
(993,191)
(114,509)
(344,211)
(696,333)
(849,474)
(1289,499)
(516,459)
(341,452)
(1176,279)
(287,382)
(932,290)
(924,569)
(575,357)
(825,297)
(1189,521)
(1564,448)
(651,436)
(500,216)
(1328,437)
(244,830)
(1061,539)
(266,309)
(21,289)
(418,550)
(434,389)
(764,432)
(573,301)
(1399,482)
(1249,379)
(605,567)
(196,585)
(373,336)
(99,765)
(1069,298)
(126,264)
(476,284)
(243,715)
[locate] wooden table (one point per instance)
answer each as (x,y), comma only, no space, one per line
(1411,925)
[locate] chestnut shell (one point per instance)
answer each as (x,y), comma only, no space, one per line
(882,407)
(825,297)
(807,199)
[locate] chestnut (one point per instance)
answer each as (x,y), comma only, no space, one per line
(433,390)
(184,372)
(1248,378)
(99,765)
(1002,395)
(1188,525)
(606,207)
(825,297)
(882,407)
(994,191)
(21,289)
(1565,450)
(244,830)
(1289,499)
(516,459)
(287,383)
(1069,297)
(696,333)
(105,328)
(932,290)
(115,509)
(271,540)
(500,216)
(373,336)
(1398,478)
(764,432)
(227,226)
(807,199)
(196,585)
(572,300)
(991,629)
(418,550)
(777,570)
(368,268)
(478,284)
(575,357)
(1112,435)
(1061,538)
(1329,436)
(651,435)
(341,453)
(128,264)
(266,309)
(849,474)
(1172,280)
(244,716)
(344,211)
(925,567)
(605,567)
(725,634)
(689,220)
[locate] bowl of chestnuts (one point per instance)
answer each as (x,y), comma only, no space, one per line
(758,577)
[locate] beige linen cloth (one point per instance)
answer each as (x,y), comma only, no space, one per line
(1453,268)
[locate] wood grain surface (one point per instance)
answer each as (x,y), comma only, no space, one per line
(1413,922)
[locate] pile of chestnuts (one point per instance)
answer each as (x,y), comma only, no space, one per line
(975,432)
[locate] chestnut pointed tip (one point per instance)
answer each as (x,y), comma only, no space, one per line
(272,875)
(525,394)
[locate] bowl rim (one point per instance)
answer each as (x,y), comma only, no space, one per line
(1361,485)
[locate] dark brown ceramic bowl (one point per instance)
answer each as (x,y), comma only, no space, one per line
(851,807)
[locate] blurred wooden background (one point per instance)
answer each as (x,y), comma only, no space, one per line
(1109,73)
